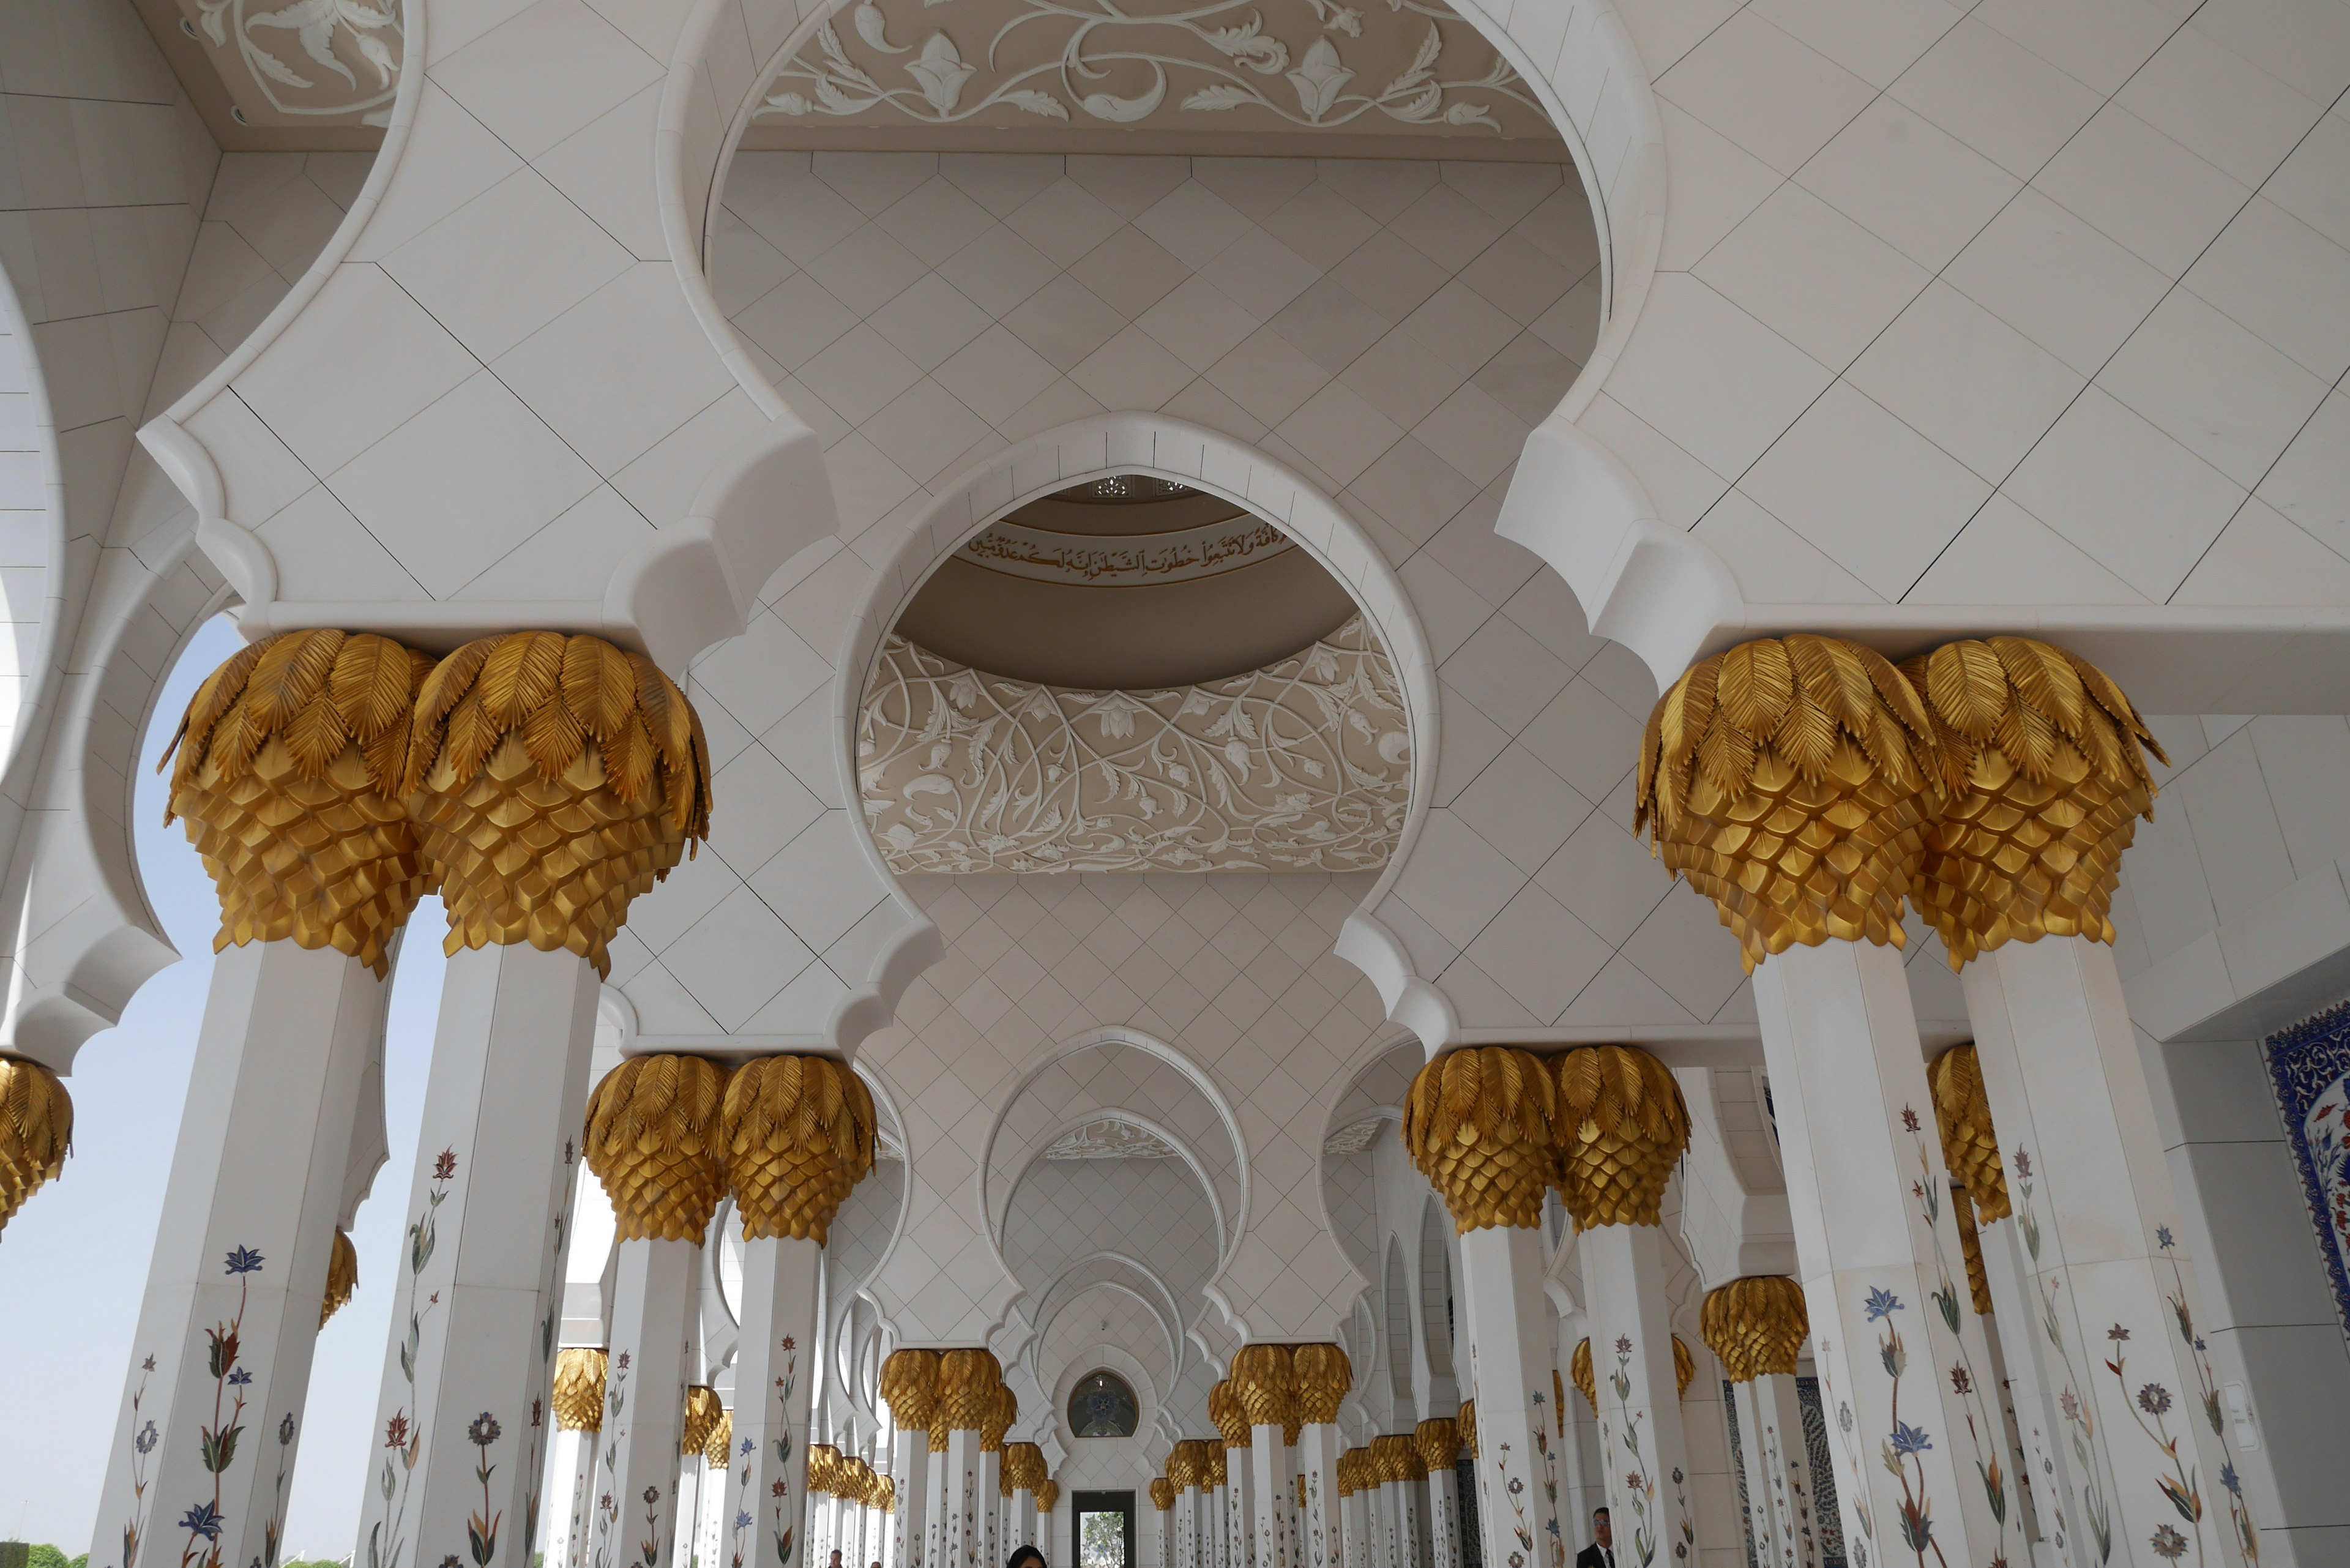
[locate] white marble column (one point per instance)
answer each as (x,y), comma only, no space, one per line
(1187,1527)
(991,1498)
(655,1297)
(574,1472)
(2113,1295)
(1779,1490)
(1439,1444)
(909,1473)
(222,1353)
(1910,1420)
(1505,1319)
(966,1545)
(1162,1517)
(1355,1534)
(938,1501)
(1320,1535)
(477,1287)
(1574,1428)
(1639,1401)
(774,1386)
(1271,1491)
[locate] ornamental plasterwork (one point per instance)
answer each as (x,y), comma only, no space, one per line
(1304,764)
(295,63)
(1110,1137)
(1127,560)
(1357,1136)
(1387,66)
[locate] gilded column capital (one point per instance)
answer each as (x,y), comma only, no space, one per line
(1466,1423)
(1971,1250)
(1187,1464)
(1162,1494)
(822,1470)
(1684,1367)
(1265,1384)
(579,1392)
(1970,1142)
(1622,1128)
(552,779)
(1790,781)
(1579,1369)
(1002,1409)
(290,772)
(885,1488)
(1048,1496)
(654,1141)
(799,1133)
(968,1378)
(702,1411)
(1231,1421)
(939,1430)
(1392,1455)
(35,1131)
(1324,1376)
(909,1383)
(718,1453)
(1439,1439)
(1480,1124)
(1219,1465)
(1756,1326)
(1350,1469)
(2041,762)
(342,1276)
(1032,1471)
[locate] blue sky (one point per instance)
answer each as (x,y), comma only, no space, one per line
(73,1261)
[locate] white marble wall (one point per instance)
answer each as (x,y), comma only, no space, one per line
(2272,1326)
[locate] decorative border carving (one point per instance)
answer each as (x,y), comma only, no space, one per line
(2309,1067)
(1303,765)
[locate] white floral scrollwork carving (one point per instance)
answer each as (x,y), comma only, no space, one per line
(347,67)
(1302,765)
(1043,56)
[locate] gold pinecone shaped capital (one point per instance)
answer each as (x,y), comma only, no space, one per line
(1623,1125)
(342,1276)
(579,1392)
(1439,1438)
(1785,779)
(1969,1141)
(2045,777)
(1579,1369)
(654,1141)
(909,1384)
(799,1136)
(702,1411)
(289,768)
(1162,1494)
(1465,1422)
(1756,1326)
(1324,1376)
(553,780)
(35,1131)
(1264,1384)
(1480,1123)
(968,1378)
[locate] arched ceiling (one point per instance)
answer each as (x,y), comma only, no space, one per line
(1127,584)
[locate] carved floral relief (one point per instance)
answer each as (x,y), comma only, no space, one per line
(1304,764)
(289,61)
(1394,66)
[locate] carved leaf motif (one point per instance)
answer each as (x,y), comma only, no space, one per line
(874,28)
(1319,78)
(940,70)
(1123,110)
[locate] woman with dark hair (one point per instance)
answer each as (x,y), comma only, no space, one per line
(1026,1557)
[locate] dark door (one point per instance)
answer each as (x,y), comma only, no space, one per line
(1101,1531)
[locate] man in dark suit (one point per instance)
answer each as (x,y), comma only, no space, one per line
(1601,1553)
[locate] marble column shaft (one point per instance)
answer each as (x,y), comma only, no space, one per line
(909,1472)
(1273,1487)
(1910,1419)
(1639,1398)
(655,1297)
(1319,1532)
(774,1392)
(477,1288)
(230,1317)
(2114,1296)
(1506,1322)
(1780,1489)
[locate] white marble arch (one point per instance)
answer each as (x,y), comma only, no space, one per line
(1011,1294)
(1166,448)
(1061,1377)
(1000,1207)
